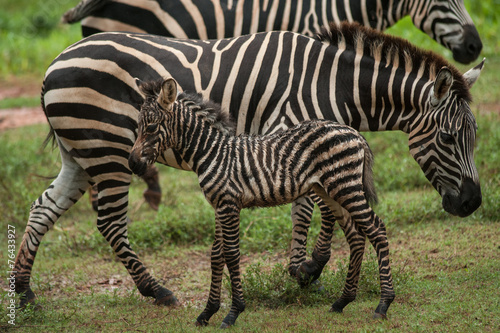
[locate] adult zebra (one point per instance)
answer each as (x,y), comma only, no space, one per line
(350,74)
(446,21)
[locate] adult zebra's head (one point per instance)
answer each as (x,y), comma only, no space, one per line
(449,23)
(442,141)
(153,137)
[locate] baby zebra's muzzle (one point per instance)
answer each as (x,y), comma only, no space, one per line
(136,164)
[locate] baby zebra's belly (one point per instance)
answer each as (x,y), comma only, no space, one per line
(273,196)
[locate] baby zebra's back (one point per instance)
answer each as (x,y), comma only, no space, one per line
(278,168)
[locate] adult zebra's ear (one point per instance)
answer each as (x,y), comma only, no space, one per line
(442,85)
(473,74)
(168,94)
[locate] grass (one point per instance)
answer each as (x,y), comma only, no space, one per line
(446,270)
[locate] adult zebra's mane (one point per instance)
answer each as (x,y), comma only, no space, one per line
(390,49)
(212,112)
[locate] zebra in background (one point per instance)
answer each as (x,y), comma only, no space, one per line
(92,102)
(446,21)
(244,171)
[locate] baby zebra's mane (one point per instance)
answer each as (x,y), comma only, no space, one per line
(211,111)
(388,48)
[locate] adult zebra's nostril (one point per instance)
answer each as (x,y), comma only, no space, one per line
(474,47)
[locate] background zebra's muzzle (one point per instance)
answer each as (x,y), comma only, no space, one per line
(136,164)
(466,202)
(471,46)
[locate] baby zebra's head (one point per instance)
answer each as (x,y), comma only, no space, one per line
(165,117)
(153,133)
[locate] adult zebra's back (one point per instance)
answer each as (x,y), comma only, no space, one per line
(446,21)
(350,74)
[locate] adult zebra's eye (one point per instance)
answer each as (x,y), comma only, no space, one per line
(446,138)
(152,128)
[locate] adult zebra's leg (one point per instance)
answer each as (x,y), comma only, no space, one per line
(152,194)
(112,223)
(302,210)
(217,265)
(61,195)
(310,270)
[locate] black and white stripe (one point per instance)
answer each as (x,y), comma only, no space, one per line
(243,171)
(446,21)
(269,82)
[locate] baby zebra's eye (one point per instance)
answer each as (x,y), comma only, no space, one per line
(152,128)
(446,138)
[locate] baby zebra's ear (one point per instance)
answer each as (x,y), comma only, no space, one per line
(140,86)
(168,94)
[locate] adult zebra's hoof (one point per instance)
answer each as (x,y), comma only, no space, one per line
(168,300)
(378,316)
(153,198)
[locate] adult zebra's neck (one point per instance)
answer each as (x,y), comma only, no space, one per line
(379,15)
(376,82)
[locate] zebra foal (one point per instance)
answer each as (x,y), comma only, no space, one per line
(243,171)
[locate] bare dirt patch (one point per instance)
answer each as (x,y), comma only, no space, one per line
(12,118)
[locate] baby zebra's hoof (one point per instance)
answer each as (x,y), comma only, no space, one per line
(224,325)
(201,323)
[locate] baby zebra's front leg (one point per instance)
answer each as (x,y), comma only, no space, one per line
(225,249)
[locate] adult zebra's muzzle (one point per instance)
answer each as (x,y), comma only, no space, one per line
(466,202)
(136,164)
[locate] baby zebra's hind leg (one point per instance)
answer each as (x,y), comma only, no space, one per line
(61,195)
(356,243)
(369,224)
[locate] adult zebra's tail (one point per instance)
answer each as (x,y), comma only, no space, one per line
(51,135)
(368,183)
(82,10)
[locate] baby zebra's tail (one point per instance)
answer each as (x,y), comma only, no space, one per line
(368,183)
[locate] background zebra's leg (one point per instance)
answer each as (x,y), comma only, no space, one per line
(217,266)
(302,211)
(310,270)
(112,224)
(62,194)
